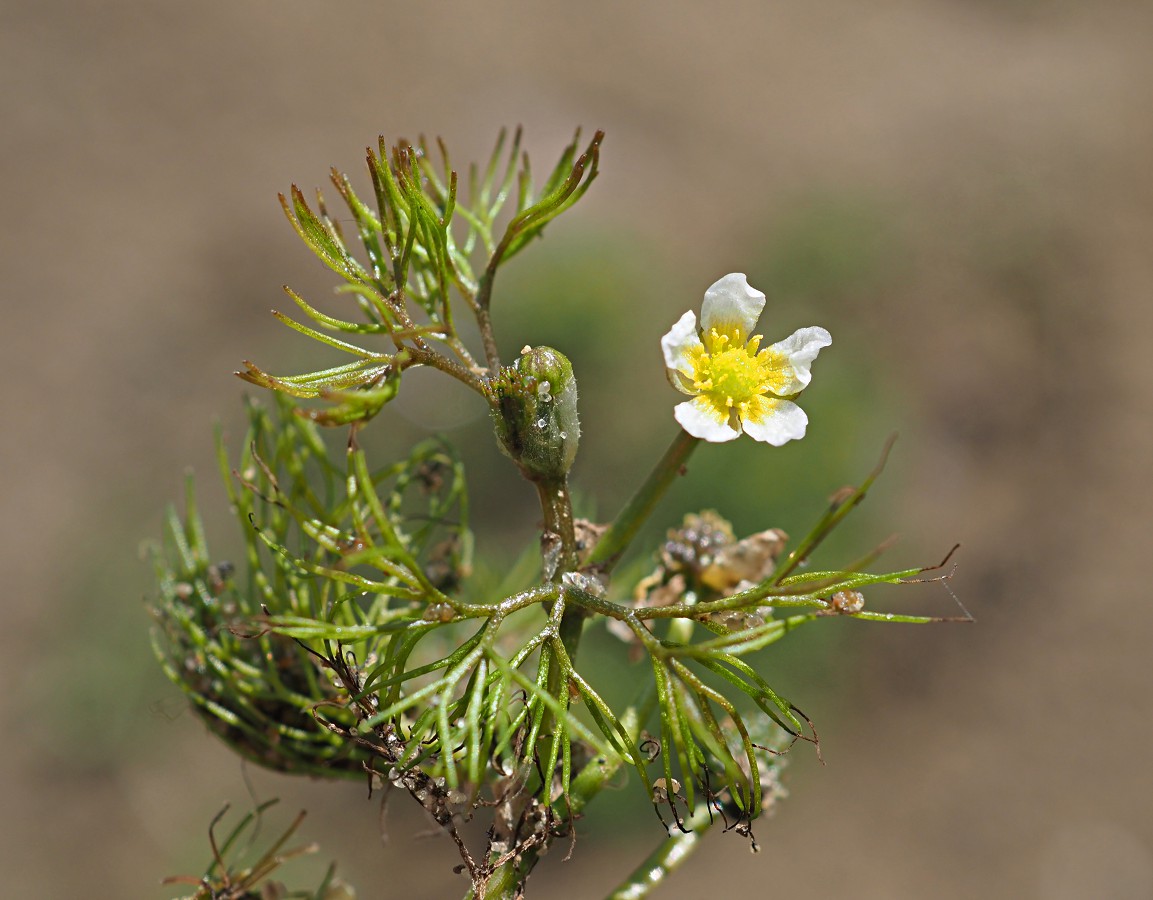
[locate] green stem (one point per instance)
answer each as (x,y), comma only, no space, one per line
(428,357)
(591,780)
(572,622)
(484,324)
(620,534)
(503,883)
(556,504)
(667,857)
(556,507)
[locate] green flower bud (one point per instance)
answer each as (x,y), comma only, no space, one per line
(535,413)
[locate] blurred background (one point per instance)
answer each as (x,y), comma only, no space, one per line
(959,190)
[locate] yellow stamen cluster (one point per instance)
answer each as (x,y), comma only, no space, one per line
(731,373)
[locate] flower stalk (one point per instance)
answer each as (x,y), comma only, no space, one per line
(636,512)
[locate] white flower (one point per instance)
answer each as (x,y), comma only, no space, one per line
(735,385)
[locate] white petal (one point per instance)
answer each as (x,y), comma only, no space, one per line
(731,305)
(703,419)
(679,342)
(801,348)
(776,423)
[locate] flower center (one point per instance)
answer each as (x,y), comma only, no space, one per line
(733,375)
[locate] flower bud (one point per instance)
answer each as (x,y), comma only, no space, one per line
(535,413)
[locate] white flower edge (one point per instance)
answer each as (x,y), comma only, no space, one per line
(780,422)
(800,348)
(678,346)
(784,422)
(732,306)
(703,420)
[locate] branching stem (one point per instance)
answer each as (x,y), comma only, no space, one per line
(428,357)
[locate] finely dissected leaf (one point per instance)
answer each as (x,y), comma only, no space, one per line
(334,323)
(316,384)
(324,242)
(357,406)
(559,195)
(418,266)
(529,222)
(835,514)
(255,688)
(226,876)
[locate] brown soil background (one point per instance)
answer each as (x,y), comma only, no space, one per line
(1007,144)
